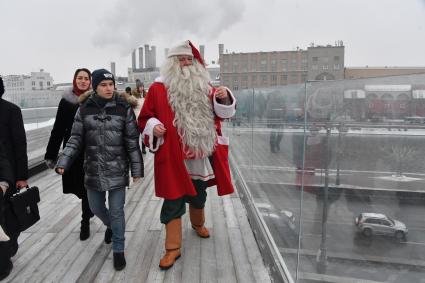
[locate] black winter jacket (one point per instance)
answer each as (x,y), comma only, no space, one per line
(13,138)
(110,140)
(73,179)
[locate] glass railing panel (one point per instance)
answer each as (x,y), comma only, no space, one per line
(315,156)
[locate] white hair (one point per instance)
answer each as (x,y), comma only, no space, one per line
(188,95)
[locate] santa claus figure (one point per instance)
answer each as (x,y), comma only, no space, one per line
(181,123)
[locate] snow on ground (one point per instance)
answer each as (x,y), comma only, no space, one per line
(33,126)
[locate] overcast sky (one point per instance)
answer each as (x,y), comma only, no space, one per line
(60,36)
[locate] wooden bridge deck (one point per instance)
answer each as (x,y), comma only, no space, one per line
(51,251)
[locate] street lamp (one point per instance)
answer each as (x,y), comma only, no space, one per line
(342,130)
(321,258)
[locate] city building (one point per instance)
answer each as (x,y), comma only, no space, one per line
(275,68)
(22,83)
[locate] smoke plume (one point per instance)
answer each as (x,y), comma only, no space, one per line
(135,22)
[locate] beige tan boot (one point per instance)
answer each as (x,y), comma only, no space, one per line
(197,218)
(173,240)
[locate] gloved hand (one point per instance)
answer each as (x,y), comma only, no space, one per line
(50,163)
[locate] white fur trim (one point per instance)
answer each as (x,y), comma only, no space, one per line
(223,140)
(225,111)
(183,48)
(148,131)
(159,79)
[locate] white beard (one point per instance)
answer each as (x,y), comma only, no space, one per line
(188,91)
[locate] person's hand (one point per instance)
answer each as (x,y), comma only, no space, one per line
(60,170)
(159,131)
(221,93)
(3,189)
(136,179)
(50,163)
(21,184)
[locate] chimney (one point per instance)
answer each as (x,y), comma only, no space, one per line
(220,52)
(113,69)
(140,57)
(202,50)
(153,56)
(147,58)
(133,59)
(220,48)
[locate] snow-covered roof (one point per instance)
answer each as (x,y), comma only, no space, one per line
(388,87)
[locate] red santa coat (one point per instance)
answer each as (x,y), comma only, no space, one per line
(172,181)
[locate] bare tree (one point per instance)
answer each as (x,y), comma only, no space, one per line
(400,155)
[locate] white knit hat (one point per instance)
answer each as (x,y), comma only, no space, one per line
(183,48)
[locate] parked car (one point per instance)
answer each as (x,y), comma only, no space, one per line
(379,224)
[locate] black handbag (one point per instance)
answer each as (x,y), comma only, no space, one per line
(24,206)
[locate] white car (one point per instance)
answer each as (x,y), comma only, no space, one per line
(379,224)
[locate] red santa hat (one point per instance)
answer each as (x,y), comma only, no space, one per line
(186,48)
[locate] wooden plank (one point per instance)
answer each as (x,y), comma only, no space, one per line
(84,258)
(156,224)
(20,263)
(155,274)
(138,213)
(144,259)
(240,257)
(50,263)
(225,266)
(136,243)
(23,236)
(106,273)
(254,256)
(208,260)
(94,266)
(62,267)
(229,213)
(191,254)
(45,254)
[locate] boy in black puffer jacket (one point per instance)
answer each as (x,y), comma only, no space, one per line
(105,127)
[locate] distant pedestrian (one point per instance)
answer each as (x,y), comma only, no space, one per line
(73,179)
(140,94)
(105,129)
(128,90)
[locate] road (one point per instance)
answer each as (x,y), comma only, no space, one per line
(367,185)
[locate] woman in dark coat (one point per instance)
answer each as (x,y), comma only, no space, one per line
(73,179)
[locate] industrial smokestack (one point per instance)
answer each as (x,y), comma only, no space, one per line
(220,48)
(140,57)
(220,52)
(133,59)
(113,69)
(147,58)
(153,56)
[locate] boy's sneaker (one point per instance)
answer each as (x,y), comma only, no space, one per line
(119,261)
